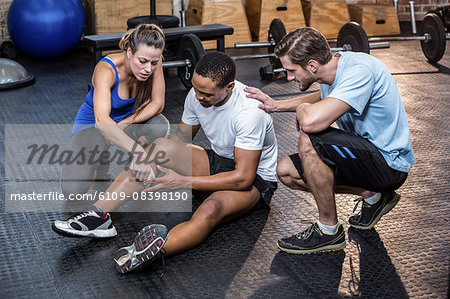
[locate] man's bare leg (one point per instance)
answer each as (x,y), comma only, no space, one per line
(125,182)
(219,207)
(288,175)
(320,180)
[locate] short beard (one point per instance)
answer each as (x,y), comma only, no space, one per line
(307,82)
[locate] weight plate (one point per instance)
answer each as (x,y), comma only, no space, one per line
(191,49)
(435,48)
(266,72)
(446,17)
(276,33)
(354,35)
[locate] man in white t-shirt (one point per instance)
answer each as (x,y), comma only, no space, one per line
(235,177)
(369,155)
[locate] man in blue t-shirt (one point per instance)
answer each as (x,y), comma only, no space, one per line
(369,155)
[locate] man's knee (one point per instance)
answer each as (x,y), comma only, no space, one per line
(164,146)
(289,175)
(209,213)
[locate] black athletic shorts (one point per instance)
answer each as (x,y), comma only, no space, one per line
(355,161)
(218,164)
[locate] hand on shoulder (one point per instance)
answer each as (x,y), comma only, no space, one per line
(268,104)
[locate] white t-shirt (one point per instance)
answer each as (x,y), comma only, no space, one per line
(237,123)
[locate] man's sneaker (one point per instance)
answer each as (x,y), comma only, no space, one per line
(371,213)
(88,224)
(147,243)
(313,240)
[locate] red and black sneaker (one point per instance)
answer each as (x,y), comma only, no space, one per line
(147,244)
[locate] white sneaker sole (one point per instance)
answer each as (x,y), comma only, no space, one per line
(147,244)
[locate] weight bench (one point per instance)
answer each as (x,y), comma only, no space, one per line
(105,42)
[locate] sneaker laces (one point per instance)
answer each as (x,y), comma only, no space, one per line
(82,215)
(358,200)
(306,234)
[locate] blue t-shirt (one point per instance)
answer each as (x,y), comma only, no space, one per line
(120,108)
(377,112)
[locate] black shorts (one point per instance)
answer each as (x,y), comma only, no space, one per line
(355,161)
(218,164)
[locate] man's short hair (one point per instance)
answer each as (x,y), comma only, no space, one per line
(303,45)
(217,66)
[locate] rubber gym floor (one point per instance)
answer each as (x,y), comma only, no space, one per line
(405,255)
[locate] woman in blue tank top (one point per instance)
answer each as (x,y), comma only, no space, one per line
(122,108)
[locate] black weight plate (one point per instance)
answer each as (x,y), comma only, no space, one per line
(435,48)
(354,35)
(446,17)
(266,72)
(276,33)
(190,48)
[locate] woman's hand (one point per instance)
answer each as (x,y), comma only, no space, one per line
(141,164)
(170,181)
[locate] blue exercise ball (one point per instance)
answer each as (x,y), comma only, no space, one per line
(46,28)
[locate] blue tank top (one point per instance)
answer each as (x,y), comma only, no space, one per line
(120,108)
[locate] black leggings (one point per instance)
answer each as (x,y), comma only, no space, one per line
(77,177)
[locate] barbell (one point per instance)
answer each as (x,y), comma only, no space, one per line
(433,42)
(191,50)
(351,37)
(432,37)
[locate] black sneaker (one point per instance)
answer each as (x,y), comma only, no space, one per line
(147,243)
(313,240)
(370,214)
(88,224)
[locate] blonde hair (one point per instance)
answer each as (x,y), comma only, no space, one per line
(150,35)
